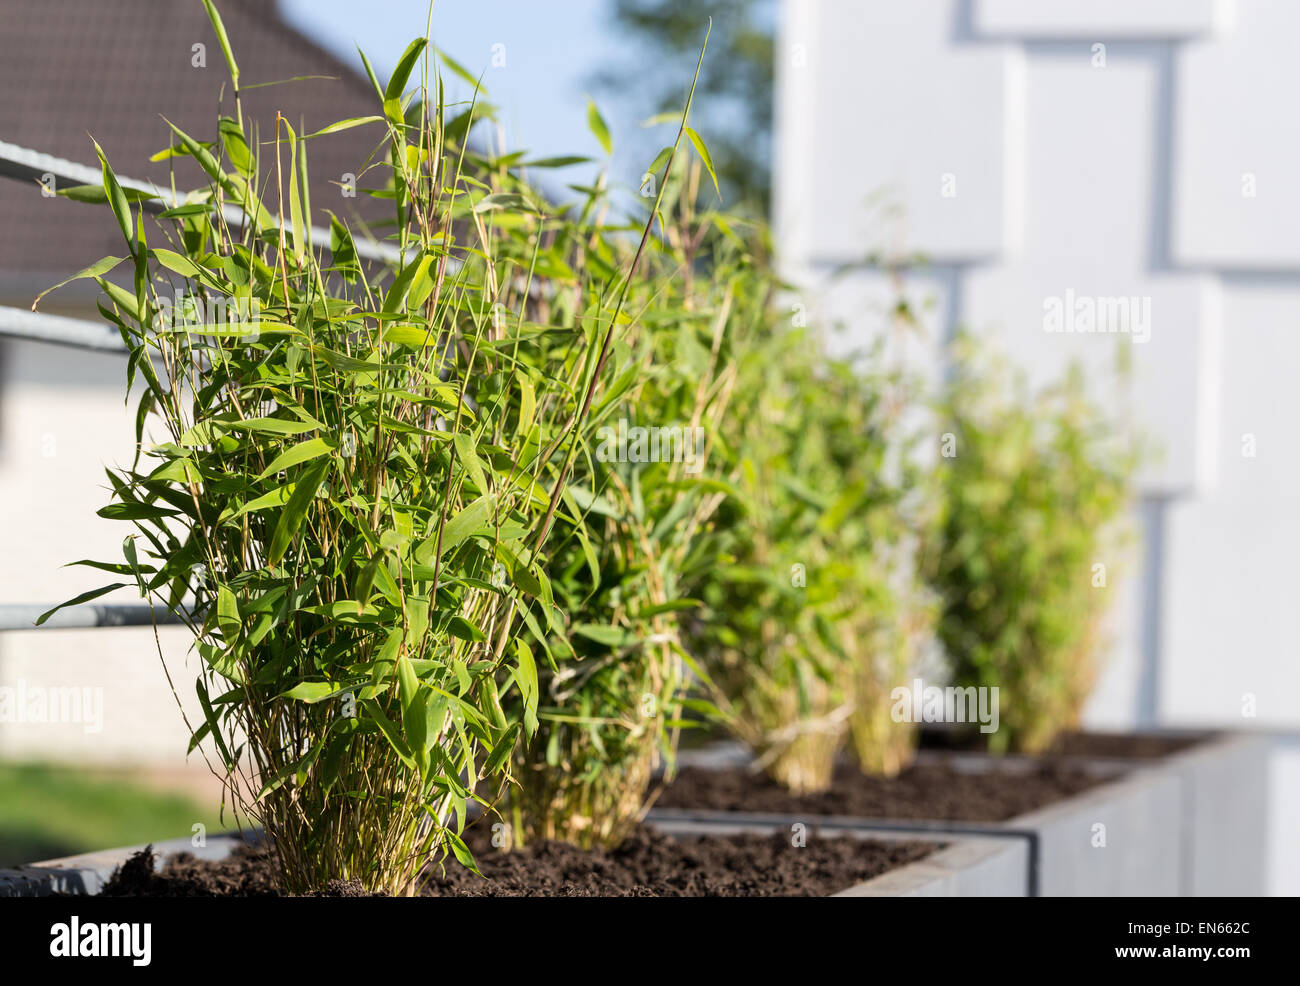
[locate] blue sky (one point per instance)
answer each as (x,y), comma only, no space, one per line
(551,49)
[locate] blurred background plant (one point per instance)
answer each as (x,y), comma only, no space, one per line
(1032,534)
(612,684)
(817,613)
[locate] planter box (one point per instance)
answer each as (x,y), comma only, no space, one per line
(965,866)
(87,873)
(1191,823)
(1121,839)
(1059,849)
(1223,792)
(1225,814)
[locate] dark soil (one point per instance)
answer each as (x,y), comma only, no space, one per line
(248,872)
(651,864)
(647,864)
(1110,746)
(925,790)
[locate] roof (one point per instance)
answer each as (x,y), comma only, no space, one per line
(80,68)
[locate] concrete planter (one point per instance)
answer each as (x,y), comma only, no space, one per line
(964,866)
(1223,795)
(88,872)
(1191,823)
(1225,814)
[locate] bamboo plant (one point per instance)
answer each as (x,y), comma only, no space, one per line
(349,490)
(819,614)
(1035,485)
(613,681)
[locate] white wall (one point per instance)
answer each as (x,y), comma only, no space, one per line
(62,421)
(1112,148)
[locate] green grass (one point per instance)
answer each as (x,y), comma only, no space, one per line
(48,811)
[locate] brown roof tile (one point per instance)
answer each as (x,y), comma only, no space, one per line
(74,68)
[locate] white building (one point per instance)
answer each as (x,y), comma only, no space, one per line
(1036,152)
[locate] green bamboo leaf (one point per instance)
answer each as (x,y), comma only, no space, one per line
(236,146)
(85,597)
(96,194)
(467,522)
(117,199)
(526,678)
(115,568)
(462,852)
(223,39)
(668,116)
(313,692)
(213,724)
(134,510)
(342,610)
(370,74)
(703,151)
(296,223)
(598,127)
(393,111)
(503,200)
(563,161)
(465,630)
(421,284)
(501,751)
(525,579)
(660,160)
(395,299)
(291,517)
(124,299)
(390,731)
(228,621)
(198,151)
(175,262)
(527,401)
(343,249)
(271,426)
(302,452)
(607,635)
(460,70)
(236,188)
(397,83)
(414,714)
(95,270)
(468,457)
(333,128)
(409,335)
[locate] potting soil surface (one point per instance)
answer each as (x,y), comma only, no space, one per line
(647,864)
(930,790)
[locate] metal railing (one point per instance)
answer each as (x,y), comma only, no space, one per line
(29,166)
(23,616)
(26,165)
